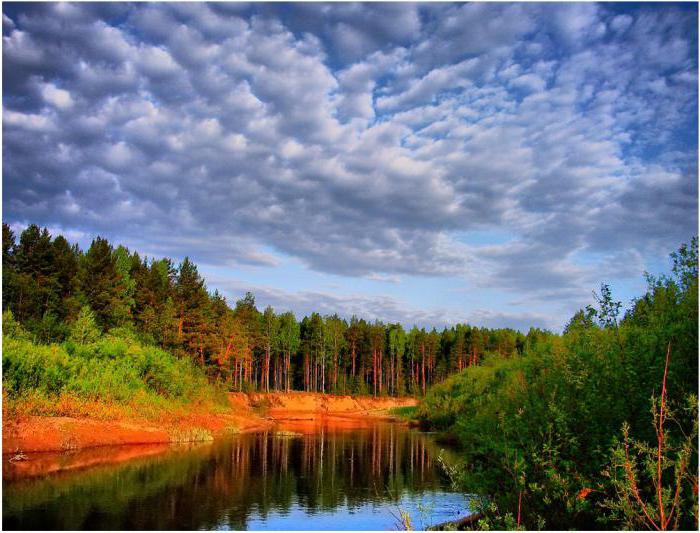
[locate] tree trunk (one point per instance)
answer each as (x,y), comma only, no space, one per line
(353,360)
(287,368)
(267,367)
(374,370)
(422,350)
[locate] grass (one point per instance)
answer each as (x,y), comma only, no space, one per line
(407,411)
(194,434)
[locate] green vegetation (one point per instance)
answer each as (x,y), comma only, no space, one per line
(596,428)
(407,411)
(97,375)
(58,293)
(190,435)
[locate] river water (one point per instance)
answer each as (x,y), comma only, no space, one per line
(301,476)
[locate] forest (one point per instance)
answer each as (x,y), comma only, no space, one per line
(49,285)
(593,428)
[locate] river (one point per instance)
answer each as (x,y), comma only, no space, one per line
(301,476)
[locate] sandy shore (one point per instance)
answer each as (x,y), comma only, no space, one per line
(249,412)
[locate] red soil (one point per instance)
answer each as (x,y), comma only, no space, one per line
(249,412)
(60,433)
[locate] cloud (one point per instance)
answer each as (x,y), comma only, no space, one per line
(361,139)
(56,97)
(375,307)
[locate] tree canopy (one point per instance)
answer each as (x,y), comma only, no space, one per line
(52,287)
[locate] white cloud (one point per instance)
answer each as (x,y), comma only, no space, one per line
(376,307)
(56,97)
(27,121)
(236,131)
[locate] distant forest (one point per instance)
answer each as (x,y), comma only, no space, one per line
(50,284)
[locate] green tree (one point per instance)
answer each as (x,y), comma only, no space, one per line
(84,330)
(250,318)
(397,349)
(192,306)
(34,283)
(66,260)
(334,336)
(103,286)
(12,328)
(288,341)
(377,338)
(123,265)
(9,270)
(353,336)
(269,330)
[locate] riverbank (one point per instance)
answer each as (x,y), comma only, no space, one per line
(248,412)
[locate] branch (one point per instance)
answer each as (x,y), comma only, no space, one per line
(660,440)
(679,480)
(635,489)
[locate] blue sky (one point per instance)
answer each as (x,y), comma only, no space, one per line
(423,163)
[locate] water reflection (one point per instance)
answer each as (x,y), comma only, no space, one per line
(309,477)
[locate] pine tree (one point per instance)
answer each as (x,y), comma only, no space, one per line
(191,302)
(9,269)
(103,286)
(269,329)
(34,281)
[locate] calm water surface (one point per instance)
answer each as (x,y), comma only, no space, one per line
(298,477)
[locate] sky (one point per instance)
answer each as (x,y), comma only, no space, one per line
(427,163)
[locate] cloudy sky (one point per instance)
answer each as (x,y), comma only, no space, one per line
(428,163)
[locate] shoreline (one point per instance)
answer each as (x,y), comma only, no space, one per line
(40,445)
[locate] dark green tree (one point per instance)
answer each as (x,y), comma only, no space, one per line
(103,286)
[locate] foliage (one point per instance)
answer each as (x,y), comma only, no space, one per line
(407,411)
(539,416)
(84,330)
(655,486)
(110,369)
(51,287)
(540,431)
(12,328)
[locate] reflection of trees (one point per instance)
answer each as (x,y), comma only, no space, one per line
(224,485)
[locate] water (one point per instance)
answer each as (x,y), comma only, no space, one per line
(299,477)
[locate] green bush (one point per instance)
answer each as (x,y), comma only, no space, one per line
(539,430)
(110,368)
(11,327)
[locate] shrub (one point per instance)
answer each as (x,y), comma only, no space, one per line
(540,431)
(111,369)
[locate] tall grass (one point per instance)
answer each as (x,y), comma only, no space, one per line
(405,411)
(115,374)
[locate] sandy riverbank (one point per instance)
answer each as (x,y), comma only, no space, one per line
(249,412)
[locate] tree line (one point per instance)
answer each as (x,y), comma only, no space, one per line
(50,284)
